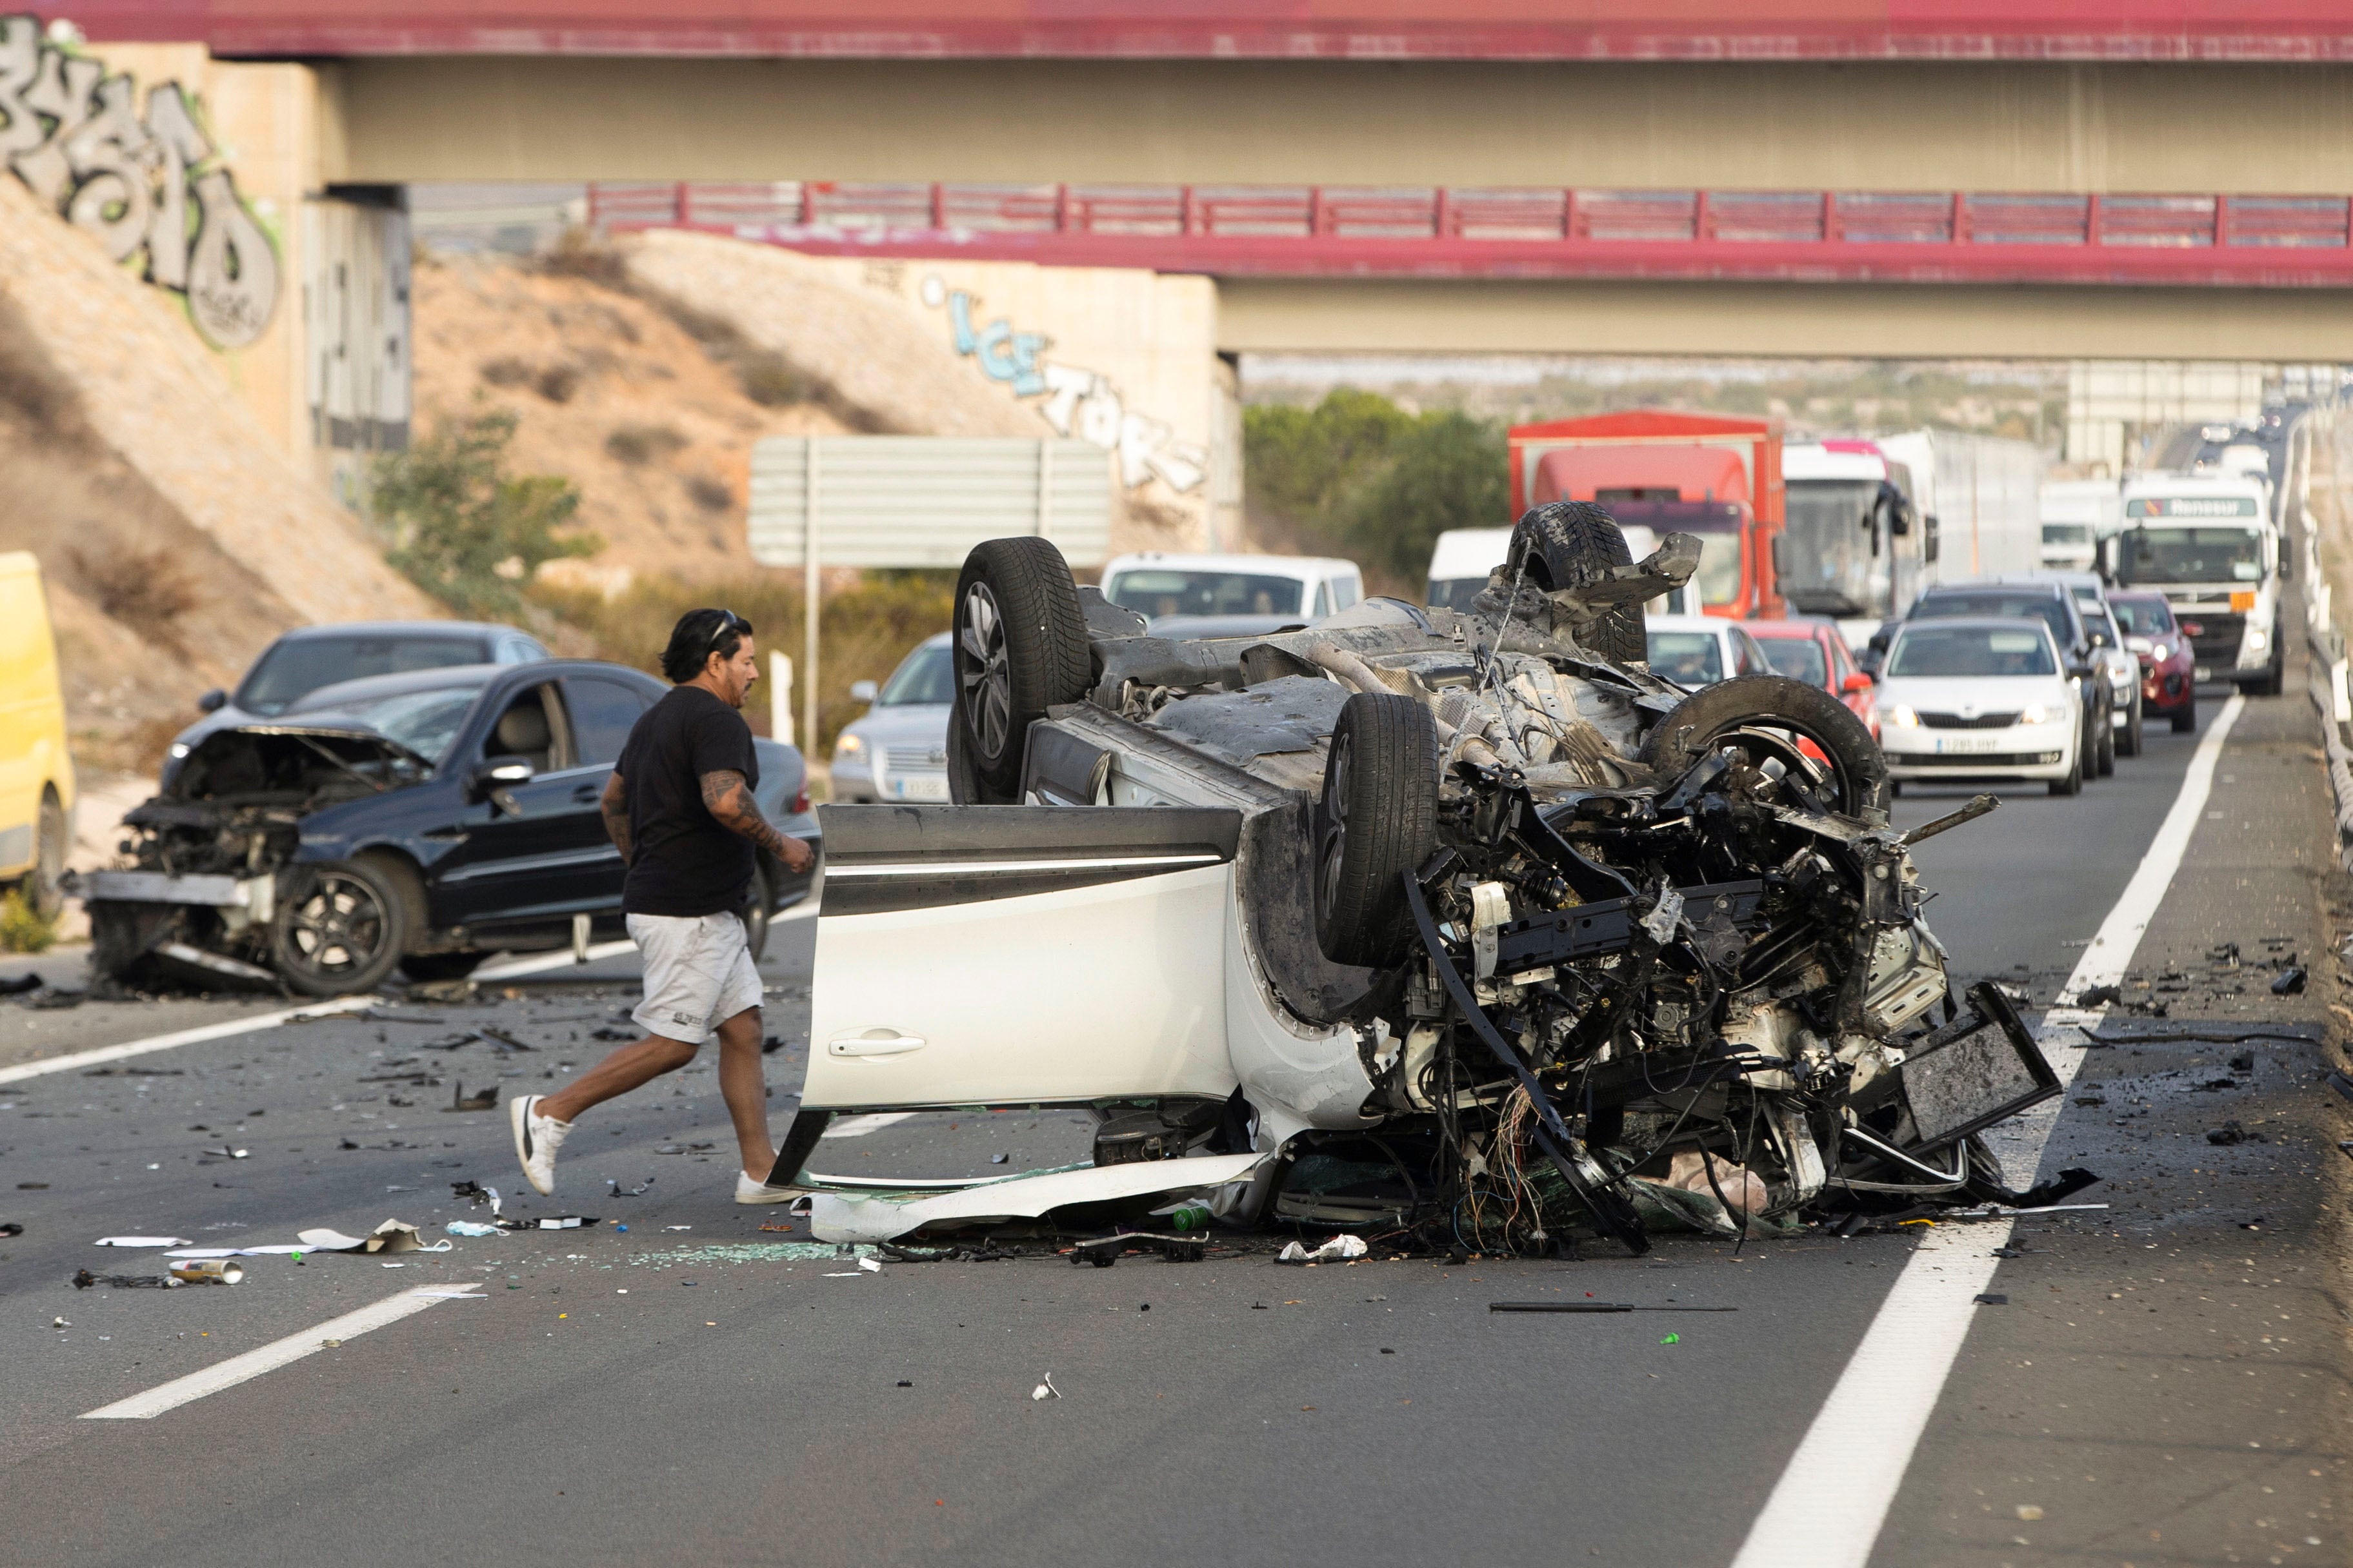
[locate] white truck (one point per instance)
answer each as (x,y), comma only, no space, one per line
(2208,544)
(2076,515)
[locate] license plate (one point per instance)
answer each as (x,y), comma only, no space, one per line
(922,787)
(1962,745)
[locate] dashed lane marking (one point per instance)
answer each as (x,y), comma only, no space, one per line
(1827,1510)
(270,1357)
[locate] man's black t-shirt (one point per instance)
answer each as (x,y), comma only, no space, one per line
(684,861)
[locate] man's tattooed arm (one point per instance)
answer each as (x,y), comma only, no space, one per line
(616,808)
(725,796)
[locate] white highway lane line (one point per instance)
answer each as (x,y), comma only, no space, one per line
(1827,1510)
(270,1357)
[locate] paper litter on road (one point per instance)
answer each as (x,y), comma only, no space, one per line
(470,1227)
(142,1241)
(392,1236)
(1338,1250)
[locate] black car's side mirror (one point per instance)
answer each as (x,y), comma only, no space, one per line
(491,781)
(212,701)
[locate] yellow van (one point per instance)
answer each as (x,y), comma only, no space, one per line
(37,776)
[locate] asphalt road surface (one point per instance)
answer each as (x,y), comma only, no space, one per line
(2163,1383)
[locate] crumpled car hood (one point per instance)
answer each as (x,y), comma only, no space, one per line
(279,756)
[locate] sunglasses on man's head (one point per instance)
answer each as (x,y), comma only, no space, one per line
(728,621)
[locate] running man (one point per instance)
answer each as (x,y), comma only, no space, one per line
(680,809)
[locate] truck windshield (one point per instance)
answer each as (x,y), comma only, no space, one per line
(1828,565)
(1155,592)
(2066,533)
(2178,554)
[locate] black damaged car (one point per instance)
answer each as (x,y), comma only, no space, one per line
(424,820)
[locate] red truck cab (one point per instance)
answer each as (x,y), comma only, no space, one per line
(1718,478)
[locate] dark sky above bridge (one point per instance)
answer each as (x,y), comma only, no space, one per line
(1396,30)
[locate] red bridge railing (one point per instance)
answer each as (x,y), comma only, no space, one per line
(1309,230)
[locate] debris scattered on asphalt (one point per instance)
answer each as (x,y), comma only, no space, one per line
(83,1279)
(2204,1037)
(393,1016)
(19,984)
(458,1041)
(564,1222)
(619,1191)
(392,1236)
(142,1241)
(998,1159)
(2288,982)
(1597,1306)
(2100,996)
(10,1227)
(32,1186)
(2255,1224)
(2244,1062)
(609,1033)
(476,1195)
(503,1040)
(207,1271)
(2230,1133)
(485,1100)
(135,1072)
(1046,1390)
(226,1152)
(1992,1299)
(470,1227)
(1338,1250)
(870,1265)
(1672,1340)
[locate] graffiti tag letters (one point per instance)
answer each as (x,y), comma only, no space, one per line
(1078,402)
(136,181)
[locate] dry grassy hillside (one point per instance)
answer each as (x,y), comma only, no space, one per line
(175,538)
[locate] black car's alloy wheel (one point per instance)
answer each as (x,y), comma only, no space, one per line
(339,929)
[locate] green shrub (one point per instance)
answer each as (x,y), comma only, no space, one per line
(1358,476)
(638,444)
(23,928)
(463,528)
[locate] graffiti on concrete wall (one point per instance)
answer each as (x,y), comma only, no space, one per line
(1078,402)
(137,182)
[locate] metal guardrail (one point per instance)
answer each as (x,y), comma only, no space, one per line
(2278,241)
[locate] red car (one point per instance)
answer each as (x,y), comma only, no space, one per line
(2167,675)
(1809,648)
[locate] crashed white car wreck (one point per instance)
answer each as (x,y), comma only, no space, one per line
(1459,929)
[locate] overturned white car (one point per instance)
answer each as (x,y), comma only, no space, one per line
(1463,927)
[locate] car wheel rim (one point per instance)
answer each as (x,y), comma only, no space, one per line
(338,928)
(1332,846)
(987,678)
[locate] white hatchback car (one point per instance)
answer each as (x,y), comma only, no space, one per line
(1700,650)
(1282,589)
(1978,699)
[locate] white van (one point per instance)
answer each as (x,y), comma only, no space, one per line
(1199,589)
(1464,557)
(2208,544)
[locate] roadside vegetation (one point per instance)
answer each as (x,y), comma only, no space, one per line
(1359,476)
(23,928)
(464,529)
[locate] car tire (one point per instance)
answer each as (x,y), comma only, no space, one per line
(2073,785)
(1769,702)
(1564,542)
(2103,755)
(426,968)
(2185,719)
(339,929)
(1376,824)
(2129,744)
(1020,648)
(965,785)
(44,887)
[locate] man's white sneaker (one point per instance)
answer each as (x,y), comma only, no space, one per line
(536,1140)
(751,1190)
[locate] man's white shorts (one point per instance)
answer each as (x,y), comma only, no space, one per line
(699,973)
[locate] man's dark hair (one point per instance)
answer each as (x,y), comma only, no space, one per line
(698,635)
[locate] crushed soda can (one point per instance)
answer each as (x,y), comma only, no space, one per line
(207,1270)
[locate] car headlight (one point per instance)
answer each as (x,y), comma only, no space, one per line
(1903,718)
(2035,713)
(848,747)
(180,748)
(2258,639)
